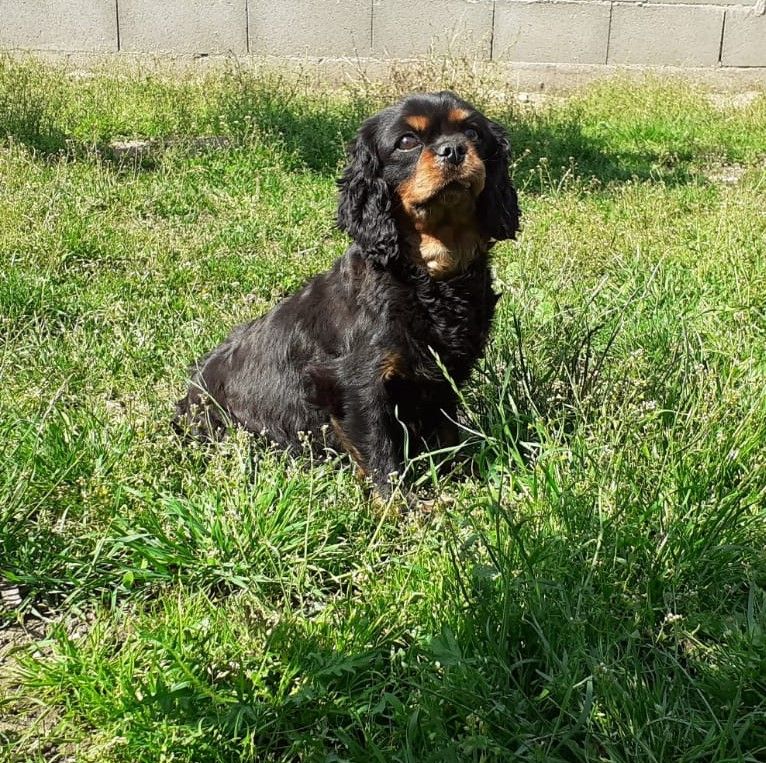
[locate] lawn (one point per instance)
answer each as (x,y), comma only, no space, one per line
(595,590)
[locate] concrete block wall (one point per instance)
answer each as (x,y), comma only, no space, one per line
(681,33)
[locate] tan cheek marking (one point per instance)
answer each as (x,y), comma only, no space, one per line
(418,123)
(475,171)
(426,180)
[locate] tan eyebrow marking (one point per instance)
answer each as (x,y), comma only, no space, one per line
(418,123)
(458,115)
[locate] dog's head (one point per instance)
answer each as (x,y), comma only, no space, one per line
(428,178)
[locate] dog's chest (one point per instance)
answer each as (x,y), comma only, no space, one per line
(451,320)
(447,250)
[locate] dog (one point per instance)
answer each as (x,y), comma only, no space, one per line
(366,356)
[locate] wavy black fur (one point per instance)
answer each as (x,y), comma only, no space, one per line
(350,357)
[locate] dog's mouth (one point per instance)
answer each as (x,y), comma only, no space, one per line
(454,190)
(455,194)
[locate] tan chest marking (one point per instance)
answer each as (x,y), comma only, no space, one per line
(447,252)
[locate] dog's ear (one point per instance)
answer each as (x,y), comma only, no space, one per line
(497,204)
(364,207)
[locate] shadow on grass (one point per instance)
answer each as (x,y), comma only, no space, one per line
(314,134)
(555,148)
(305,701)
(26,117)
(309,132)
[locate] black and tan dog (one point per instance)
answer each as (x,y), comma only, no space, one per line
(354,353)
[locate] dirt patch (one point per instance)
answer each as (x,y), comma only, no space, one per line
(14,638)
(726,174)
(723,101)
(141,149)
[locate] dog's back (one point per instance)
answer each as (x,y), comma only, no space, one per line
(261,376)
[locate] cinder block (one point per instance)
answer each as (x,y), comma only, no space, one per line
(551,32)
(310,27)
(183,26)
(744,39)
(693,2)
(665,35)
(404,28)
(89,25)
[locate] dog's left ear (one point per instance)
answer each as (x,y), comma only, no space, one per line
(364,207)
(497,204)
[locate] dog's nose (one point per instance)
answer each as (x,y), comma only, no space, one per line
(452,151)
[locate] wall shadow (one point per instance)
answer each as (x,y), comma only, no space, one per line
(558,149)
(314,134)
(310,133)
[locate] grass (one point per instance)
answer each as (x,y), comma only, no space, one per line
(597,590)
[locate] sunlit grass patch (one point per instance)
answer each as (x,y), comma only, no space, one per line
(593,588)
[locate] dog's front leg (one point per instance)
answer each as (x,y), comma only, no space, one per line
(371,434)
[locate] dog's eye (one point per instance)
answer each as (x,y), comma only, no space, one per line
(408,142)
(471,134)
